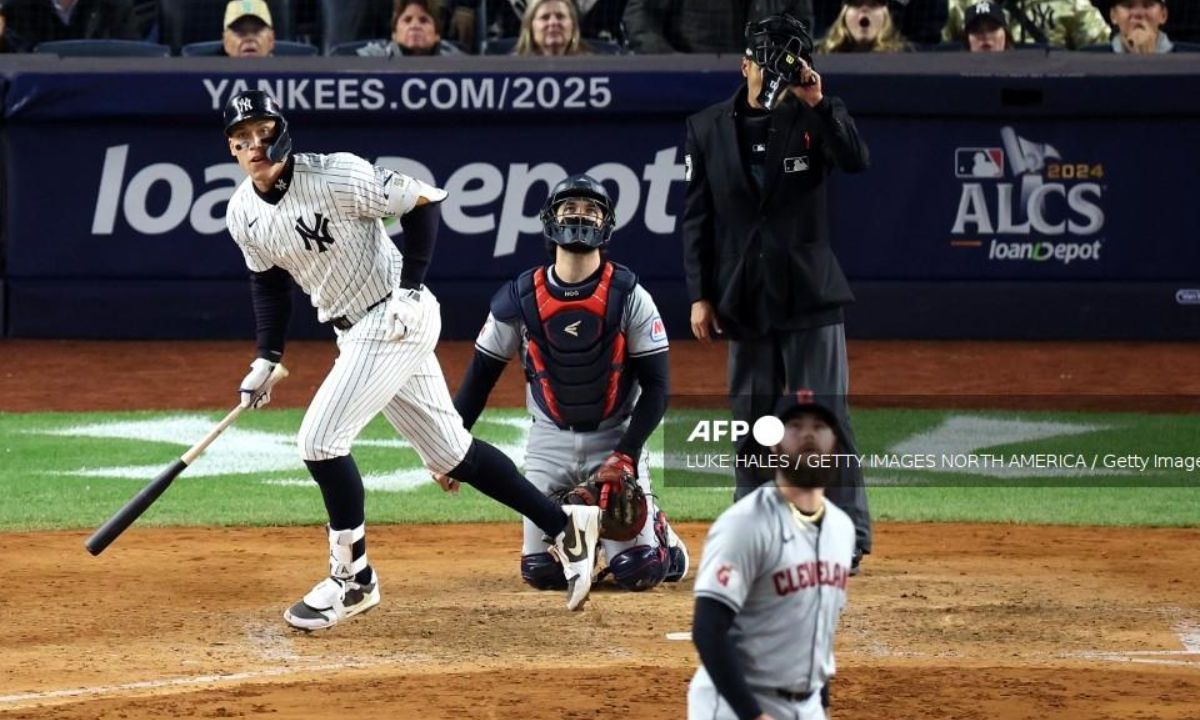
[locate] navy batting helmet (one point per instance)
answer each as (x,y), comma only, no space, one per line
(578,229)
(254,105)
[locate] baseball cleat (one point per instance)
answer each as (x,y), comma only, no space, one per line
(331,601)
(677,570)
(575,547)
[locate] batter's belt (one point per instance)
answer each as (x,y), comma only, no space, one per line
(787,694)
(344,323)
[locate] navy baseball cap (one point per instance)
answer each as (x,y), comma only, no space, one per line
(793,403)
(985,10)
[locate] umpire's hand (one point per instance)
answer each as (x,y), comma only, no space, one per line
(704,321)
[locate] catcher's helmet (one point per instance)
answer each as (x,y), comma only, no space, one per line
(776,43)
(578,229)
(256,104)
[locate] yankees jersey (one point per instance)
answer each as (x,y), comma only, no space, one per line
(785,578)
(322,223)
(641,324)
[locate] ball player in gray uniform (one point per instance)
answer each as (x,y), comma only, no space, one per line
(772,582)
(317,220)
(594,351)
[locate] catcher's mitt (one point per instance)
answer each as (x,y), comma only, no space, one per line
(615,489)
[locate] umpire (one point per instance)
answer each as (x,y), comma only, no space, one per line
(759,267)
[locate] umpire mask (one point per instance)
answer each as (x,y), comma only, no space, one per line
(777,44)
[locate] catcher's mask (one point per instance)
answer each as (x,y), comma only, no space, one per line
(563,223)
(255,105)
(777,44)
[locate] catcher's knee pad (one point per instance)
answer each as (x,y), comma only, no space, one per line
(543,572)
(639,568)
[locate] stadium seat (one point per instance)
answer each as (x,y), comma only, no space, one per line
(183,22)
(499,46)
(102,48)
(346,21)
(352,47)
(210,48)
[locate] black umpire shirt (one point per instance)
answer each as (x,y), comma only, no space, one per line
(759,251)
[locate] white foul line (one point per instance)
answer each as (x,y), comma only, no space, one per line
(179,682)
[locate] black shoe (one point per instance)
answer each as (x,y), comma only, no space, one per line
(855,562)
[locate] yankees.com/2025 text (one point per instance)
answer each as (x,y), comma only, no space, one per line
(419,93)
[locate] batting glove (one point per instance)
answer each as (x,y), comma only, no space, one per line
(253,396)
(404,312)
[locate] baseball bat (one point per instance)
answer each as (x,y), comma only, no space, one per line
(133,509)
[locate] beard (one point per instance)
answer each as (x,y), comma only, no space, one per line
(799,473)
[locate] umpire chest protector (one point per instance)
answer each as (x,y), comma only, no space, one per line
(575,348)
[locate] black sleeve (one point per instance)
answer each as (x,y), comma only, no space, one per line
(653,375)
(710,632)
(697,222)
(477,384)
(420,236)
(844,146)
(644,23)
(271,293)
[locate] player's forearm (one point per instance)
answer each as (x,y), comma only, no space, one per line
(420,236)
(482,375)
(271,293)
(653,376)
(845,144)
(711,622)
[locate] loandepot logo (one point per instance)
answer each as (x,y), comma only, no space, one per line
(242,451)
(1049,208)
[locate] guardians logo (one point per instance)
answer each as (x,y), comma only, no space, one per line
(1045,210)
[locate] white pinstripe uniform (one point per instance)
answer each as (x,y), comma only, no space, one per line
(327,233)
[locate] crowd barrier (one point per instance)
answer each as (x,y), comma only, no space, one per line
(1030,195)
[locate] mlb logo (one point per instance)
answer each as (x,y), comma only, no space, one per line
(795,164)
(979,163)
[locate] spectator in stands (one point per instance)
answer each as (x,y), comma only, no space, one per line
(864,26)
(5,43)
(249,31)
(1139,26)
(550,27)
(415,31)
(598,19)
(701,26)
(986,28)
(1070,24)
(37,21)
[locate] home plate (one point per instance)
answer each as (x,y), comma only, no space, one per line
(687,635)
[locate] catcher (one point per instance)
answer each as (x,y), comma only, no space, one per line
(594,351)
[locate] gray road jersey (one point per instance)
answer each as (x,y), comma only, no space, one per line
(786,580)
(326,232)
(644,331)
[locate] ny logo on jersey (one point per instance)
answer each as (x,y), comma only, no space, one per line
(318,233)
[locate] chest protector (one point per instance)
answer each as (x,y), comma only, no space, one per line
(575,356)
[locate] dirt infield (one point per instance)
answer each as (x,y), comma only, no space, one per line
(952,621)
(74,375)
(948,621)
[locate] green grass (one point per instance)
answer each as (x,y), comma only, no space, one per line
(40,487)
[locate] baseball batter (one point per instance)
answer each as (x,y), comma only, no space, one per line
(772,582)
(594,350)
(317,220)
